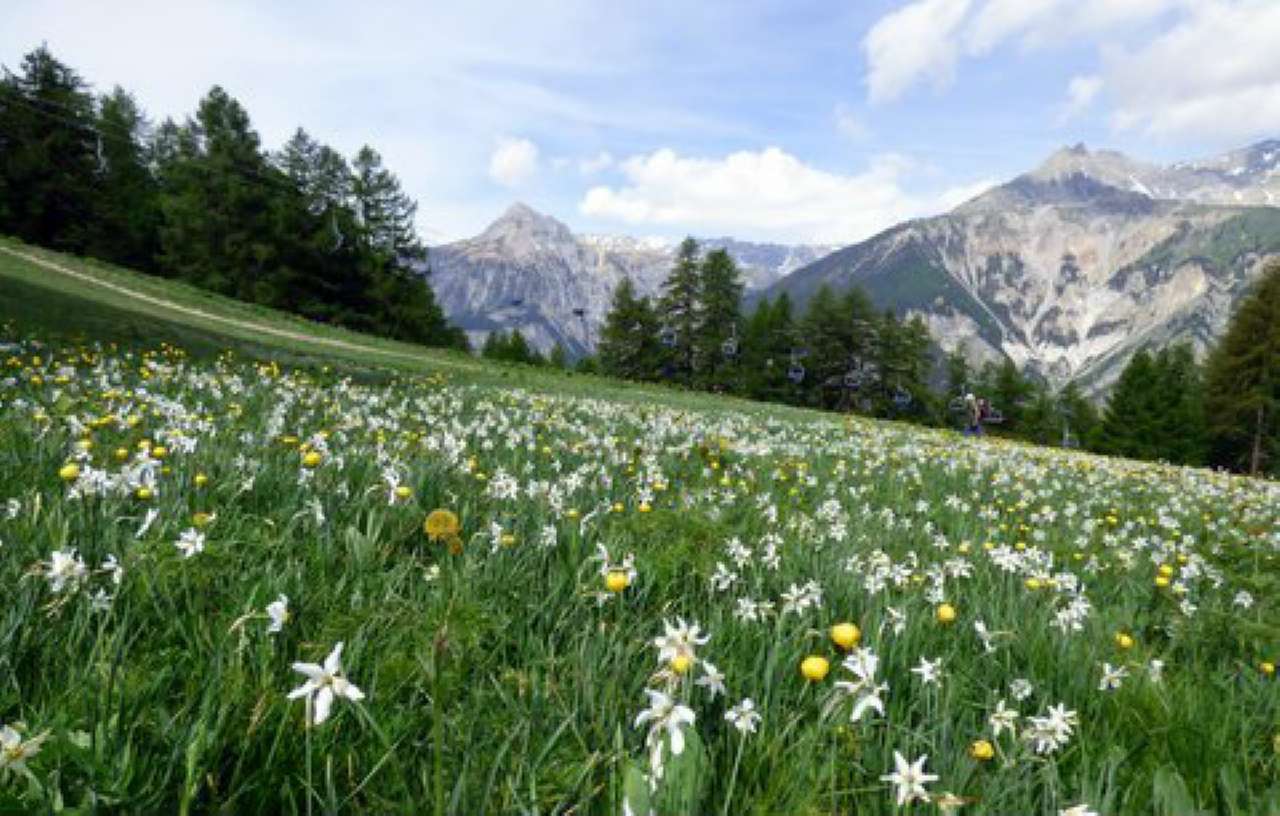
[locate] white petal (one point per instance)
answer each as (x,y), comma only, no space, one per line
(311,670)
(677,741)
(302,690)
(333,663)
(324,701)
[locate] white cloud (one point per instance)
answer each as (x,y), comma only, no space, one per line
(595,164)
(1216,73)
(765,194)
(913,43)
(924,40)
(849,125)
(513,162)
(1081,91)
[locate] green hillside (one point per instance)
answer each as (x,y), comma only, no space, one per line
(445,586)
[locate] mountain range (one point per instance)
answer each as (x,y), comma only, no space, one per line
(1071,268)
(1067,269)
(528,271)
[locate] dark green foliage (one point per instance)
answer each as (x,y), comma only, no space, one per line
(201,201)
(629,346)
(767,340)
(719,316)
(1156,409)
(558,358)
(510,348)
(48,154)
(1243,383)
(679,308)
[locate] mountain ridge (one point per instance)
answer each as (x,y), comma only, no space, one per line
(529,271)
(1069,268)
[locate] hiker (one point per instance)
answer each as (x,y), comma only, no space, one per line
(973,415)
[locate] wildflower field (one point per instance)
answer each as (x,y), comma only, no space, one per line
(235,588)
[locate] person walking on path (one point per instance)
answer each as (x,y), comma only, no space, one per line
(972,415)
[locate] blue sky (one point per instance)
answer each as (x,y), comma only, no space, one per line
(794,121)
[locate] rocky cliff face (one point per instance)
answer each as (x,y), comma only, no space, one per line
(1071,268)
(528,271)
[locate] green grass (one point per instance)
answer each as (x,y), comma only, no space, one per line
(503,678)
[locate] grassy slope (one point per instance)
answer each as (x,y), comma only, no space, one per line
(182,695)
(58,307)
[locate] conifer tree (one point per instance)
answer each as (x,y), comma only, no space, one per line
(681,293)
(629,346)
(125,222)
(719,319)
(1243,383)
(48,153)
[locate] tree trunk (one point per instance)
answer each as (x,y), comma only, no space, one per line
(1255,459)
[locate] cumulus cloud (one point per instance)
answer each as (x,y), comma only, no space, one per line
(1081,91)
(1170,67)
(1217,72)
(513,162)
(924,40)
(913,43)
(767,193)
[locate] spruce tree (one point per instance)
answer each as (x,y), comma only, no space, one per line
(1126,421)
(1243,383)
(125,223)
(681,294)
(719,319)
(629,346)
(48,154)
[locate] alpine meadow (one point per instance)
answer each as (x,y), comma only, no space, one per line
(923,493)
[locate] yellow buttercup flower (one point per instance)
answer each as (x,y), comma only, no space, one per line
(946,613)
(617,580)
(845,635)
(982,750)
(441,524)
(814,668)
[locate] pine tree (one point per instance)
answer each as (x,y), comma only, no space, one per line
(767,340)
(125,224)
(681,293)
(1181,435)
(217,201)
(559,357)
(628,346)
(1126,421)
(1079,415)
(1010,392)
(1243,383)
(719,319)
(48,154)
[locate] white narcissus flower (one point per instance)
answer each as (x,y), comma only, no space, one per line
(744,716)
(1004,719)
(65,570)
(910,779)
(190,542)
(324,683)
(1112,677)
(15,751)
(679,641)
(1078,810)
(930,671)
(278,612)
(712,678)
(663,715)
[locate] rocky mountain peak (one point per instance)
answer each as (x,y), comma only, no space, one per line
(522,230)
